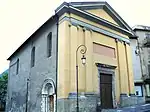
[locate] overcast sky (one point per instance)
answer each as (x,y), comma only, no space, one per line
(20,18)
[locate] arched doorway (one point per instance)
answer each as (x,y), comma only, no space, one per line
(48,96)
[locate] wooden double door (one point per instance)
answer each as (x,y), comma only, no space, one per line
(106,91)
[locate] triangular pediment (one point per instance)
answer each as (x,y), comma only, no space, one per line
(102,14)
(102,10)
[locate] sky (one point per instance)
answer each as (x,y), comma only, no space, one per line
(20,18)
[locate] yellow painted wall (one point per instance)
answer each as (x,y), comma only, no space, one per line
(92,23)
(102,14)
(70,37)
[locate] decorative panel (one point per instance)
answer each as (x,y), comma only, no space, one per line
(104,50)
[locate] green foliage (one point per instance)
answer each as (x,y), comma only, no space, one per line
(3,87)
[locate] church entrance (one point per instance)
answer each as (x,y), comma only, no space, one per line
(106,91)
(107,95)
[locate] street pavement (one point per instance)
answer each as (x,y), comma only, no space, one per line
(137,108)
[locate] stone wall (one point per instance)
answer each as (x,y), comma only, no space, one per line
(45,68)
(87,103)
(130,100)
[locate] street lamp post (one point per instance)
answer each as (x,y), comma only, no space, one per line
(82,49)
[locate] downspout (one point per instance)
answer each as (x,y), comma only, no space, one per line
(57,23)
(26,109)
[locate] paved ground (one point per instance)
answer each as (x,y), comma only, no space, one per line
(138,108)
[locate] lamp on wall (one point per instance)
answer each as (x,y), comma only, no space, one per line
(83,59)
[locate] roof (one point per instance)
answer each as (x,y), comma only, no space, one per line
(28,39)
(79,8)
(141,28)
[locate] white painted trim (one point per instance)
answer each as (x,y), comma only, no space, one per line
(88,5)
(48,81)
(44,106)
(61,8)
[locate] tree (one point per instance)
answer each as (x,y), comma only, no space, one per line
(3,87)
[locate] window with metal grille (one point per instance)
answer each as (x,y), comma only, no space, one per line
(49,44)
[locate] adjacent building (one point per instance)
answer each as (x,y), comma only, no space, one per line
(43,69)
(141,61)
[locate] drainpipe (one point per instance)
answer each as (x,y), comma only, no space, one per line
(57,23)
(27,96)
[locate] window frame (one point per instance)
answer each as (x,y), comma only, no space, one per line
(141,90)
(48,89)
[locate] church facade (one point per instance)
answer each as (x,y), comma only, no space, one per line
(44,69)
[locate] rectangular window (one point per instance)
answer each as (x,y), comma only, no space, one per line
(104,50)
(17,68)
(33,57)
(49,44)
(138,91)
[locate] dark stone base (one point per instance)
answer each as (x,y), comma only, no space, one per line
(87,103)
(140,100)
(130,100)
(90,102)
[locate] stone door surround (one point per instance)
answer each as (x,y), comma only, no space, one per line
(107,69)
